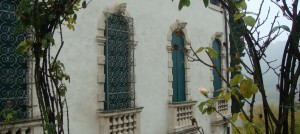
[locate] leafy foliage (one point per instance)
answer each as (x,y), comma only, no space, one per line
(183,3)
(244,27)
(42,19)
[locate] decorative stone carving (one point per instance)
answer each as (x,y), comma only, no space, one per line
(222,106)
(121,8)
(180,24)
(26,126)
(180,117)
(125,121)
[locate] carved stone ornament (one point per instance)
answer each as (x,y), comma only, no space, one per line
(180,24)
(121,8)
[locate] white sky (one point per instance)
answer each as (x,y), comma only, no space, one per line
(275,50)
(253,6)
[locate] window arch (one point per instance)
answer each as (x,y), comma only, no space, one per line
(217,82)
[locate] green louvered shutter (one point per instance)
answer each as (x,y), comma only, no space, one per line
(217,62)
(178,69)
(13,67)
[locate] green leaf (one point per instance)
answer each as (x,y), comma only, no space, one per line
(200,49)
(75,17)
(201,105)
(242,117)
(234,117)
(70,26)
(235,96)
(243,5)
(44,43)
(212,52)
(183,3)
(230,69)
(254,88)
(249,20)
(238,16)
(210,110)
(205,2)
(204,111)
(245,91)
(63,90)
(237,67)
(227,96)
(24,47)
(236,80)
(284,27)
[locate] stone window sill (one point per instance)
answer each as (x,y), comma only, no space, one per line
(215,7)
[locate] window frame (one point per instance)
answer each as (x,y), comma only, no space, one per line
(128,43)
(174,28)
(101,58)
(215,7)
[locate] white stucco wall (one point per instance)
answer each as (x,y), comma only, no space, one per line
(152,21)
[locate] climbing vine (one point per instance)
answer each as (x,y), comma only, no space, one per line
(42,19)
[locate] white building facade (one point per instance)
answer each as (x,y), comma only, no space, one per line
(130,73)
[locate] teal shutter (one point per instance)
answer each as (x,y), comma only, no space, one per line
(119,67)
(217,62)
(178,69)
(13,67)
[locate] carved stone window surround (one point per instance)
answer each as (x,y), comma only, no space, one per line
(178,25)
(221,105)
(121,120)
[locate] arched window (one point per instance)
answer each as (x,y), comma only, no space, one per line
(178,69)
(13,67)
(119,62)
(217,62)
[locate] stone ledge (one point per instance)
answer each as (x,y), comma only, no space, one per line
(185,130)
(109,113)
(180,104)
(30,121)
(22,125)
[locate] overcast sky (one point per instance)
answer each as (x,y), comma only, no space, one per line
(275,50)
(253,6)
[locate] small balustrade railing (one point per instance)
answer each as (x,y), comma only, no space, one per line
(181,115)
(125,121)
(27,126)
(223,108)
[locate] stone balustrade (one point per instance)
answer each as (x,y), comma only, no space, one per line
(125,121)
(223,107)
(27,126)
(180,116)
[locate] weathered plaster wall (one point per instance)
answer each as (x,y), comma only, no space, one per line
(152,21)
